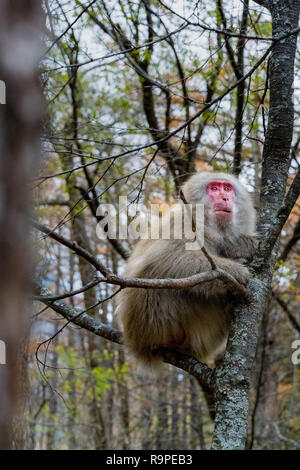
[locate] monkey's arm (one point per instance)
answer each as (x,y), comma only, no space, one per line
(232,267)
(172,260)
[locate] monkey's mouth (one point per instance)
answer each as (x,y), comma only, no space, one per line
(223,211)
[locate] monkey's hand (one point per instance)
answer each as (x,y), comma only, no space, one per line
(219,286)
(243,261)
(242,275)
(235,268)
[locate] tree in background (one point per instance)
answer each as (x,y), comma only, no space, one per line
(21,27)
(140,95)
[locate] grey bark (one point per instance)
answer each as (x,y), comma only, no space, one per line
(233,378)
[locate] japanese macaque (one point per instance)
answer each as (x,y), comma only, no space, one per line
(193,320)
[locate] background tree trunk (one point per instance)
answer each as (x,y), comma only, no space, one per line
(21,25)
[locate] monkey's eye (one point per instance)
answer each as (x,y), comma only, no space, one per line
(214,188)
(227,188)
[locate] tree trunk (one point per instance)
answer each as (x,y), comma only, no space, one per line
(233,378)
(266,410)
(21,25)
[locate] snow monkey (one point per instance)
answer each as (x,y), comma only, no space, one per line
(193,320)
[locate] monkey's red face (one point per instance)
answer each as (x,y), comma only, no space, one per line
(222,195)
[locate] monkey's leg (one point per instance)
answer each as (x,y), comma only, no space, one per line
(178,338)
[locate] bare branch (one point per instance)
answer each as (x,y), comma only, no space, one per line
(87,286)
(204,374)
(291,242)
(272,234)
(264,3)
(111,278)
(69,26)
(219,98)
(287,311)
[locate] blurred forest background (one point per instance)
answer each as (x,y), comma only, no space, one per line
(104,108)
